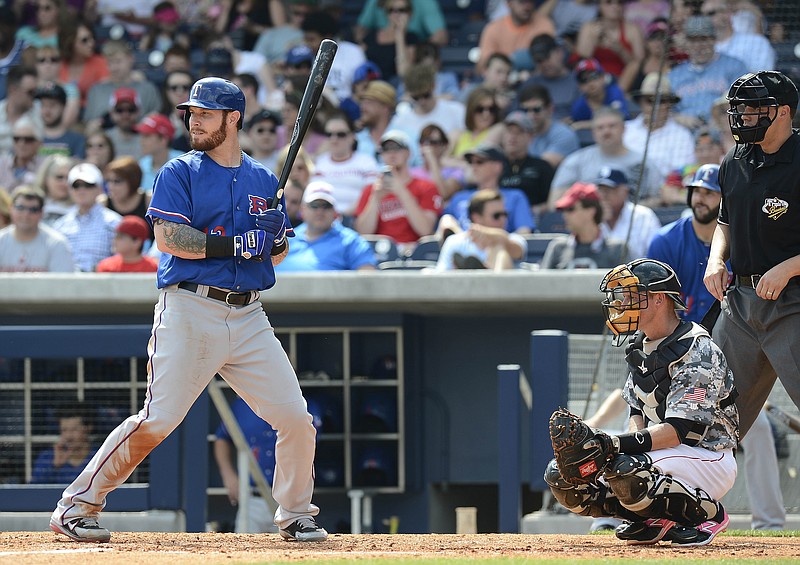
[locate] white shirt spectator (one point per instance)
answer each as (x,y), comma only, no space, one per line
(645,226)
(49,251)
(348,178)
(752,49)
(463,244)
(670,147)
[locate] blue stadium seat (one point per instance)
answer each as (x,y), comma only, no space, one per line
(427,249)
(537,245)
(384,247)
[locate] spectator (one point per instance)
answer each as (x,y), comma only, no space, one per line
(262,131)
(80,65)
(73,449)
(569,15)
(483,123)
(133,15)
(10,49)
(176,58)
(586,246)
(426,21)
(248,84)
(530,174)
(362,76)
(484,244)
(495,76)
(123,179)
(552,73)
(57,137)
(302,169)
(19,166)
(125,112)
(342,167)
(644,12)
(584,165)
(5,209)
(392,46)
(155,134)
(100,149)
(27,245)
(398,205)
(119,58)
(176,91)
(700,80)
(132,233)
(670,145)
(377,107)
(552,139)
(274,42)
(18,103)
(293,195)
(750,47)
(48,19)
(611,39)
(246,20)
(89,226)
(51,178)
(623,220)
(314,140)
(447,82)
(708,147)
(322,243)
(165,29)
(720,125)
(513,32)
(433,144)
(486,166)
(598,90)
(656,60)
(48,63)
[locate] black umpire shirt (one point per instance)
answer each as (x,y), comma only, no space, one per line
(761,206)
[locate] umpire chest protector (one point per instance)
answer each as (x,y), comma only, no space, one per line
(650,372)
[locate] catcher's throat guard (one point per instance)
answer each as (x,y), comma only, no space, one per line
(625,297)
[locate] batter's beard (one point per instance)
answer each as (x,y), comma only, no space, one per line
(706,218)
(214,140)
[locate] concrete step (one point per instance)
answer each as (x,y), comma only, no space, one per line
(150,521)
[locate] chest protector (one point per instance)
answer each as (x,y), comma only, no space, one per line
(650,373)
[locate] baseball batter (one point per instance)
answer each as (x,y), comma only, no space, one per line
(212,218)
(666,476)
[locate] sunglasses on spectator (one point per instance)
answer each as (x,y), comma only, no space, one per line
(474,161)
(422,96)
(533,109)
(24,139)
(125,110)
(570,209)
(390,147)
(432,141)
(320,205)
(398,10)
(711,13)
(96,146)
(498,215)
(481,109)
(86,39)
(652,100)
(43,60)
(177,87)
(31,209)
(585,77)
(339,134)
(80,184)
(45,7)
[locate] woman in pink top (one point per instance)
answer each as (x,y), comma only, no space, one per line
(80,64)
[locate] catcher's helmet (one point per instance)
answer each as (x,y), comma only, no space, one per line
(706,176)
(214,93)
(754,94)
(626,287)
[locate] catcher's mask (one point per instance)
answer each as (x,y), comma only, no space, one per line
(626,287)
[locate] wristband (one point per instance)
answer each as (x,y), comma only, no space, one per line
(219,246)
(278,248)
(634,442)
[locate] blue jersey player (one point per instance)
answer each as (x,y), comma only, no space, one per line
(220,235)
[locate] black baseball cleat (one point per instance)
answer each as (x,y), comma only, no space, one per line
(705,533)
(648,532)
(304,529)
(81,529)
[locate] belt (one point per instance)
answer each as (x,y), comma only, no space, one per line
(750,281)
(229,298)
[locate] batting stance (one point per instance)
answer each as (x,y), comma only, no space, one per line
(666,475)
(213,219)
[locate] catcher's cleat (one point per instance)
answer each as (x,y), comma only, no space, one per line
(706,532)
(81,529)
(304,529)
(648,532)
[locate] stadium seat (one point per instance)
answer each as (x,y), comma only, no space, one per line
(668,214)
(537,245)
(384,247)
(551,222)
(427,249)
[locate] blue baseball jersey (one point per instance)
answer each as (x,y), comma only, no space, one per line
(514,201)
(259,436)
(195,190)
(338,249)
(678,246)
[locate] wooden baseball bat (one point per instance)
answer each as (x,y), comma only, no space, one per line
(789,420)
(308,105)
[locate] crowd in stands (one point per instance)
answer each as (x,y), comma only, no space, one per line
(583,117)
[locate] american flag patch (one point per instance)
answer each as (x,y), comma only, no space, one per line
(587,468)
(696,394)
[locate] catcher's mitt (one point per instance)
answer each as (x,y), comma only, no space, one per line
(581,452)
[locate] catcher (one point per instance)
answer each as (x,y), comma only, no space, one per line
(666,476)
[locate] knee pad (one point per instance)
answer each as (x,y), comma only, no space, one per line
(586,500)
(648,492)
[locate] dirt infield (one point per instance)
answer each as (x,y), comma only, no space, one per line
(208,548)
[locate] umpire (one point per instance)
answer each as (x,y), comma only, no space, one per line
(759,230)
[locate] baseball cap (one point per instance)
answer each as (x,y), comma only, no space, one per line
(488,152)
(398,137)
(125,94)
(86,172)
(382,92)
(264,115)
(367,71)
(656,27)
(134,226)
(165,12)
(299,54)
(699,26)
(578,192)
(541,46)
(519,118)
(319,190)
(780,87)
(611,177)
(53,91)
(158,124)
(587,69)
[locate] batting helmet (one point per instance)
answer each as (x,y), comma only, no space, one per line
(626,287)
(214,93)
(706,176)
(754,94)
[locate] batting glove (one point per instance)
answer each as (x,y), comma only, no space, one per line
(273,222)
(250,244)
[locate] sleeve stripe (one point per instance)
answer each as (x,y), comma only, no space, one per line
(168,214)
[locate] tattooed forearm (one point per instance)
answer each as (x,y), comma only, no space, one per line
(182,240)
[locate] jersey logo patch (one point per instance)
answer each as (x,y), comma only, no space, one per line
(258,205)
(774,208)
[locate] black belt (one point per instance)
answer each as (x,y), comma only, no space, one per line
(750,281)
(229,298)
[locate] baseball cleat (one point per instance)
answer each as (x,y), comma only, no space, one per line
(648,532)
(706,532)
(304,529)
(81,529)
